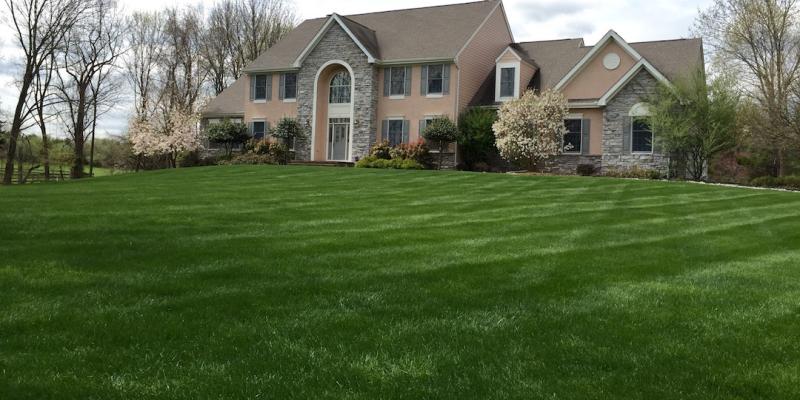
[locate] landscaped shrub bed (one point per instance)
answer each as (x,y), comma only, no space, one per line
(414,155)
(791,182)
(634,172)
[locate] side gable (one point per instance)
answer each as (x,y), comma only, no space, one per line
(477,59)
(363,35)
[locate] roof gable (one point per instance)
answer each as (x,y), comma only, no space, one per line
(363,37)
(593,52)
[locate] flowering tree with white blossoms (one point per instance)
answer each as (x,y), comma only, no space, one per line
(530,129)
(171,136)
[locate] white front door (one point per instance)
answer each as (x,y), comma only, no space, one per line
(338,139)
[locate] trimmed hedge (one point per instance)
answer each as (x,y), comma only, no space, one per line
(395,163)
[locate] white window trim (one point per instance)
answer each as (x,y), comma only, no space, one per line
(292,100)
(580,151)
(260,101)
(388,70)
(428,82)
(498,74)
(652,137)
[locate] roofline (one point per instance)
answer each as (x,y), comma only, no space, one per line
(433,60)
(482,24)
(596,49)
(257,71)
(551,40)
(416,8)
(219,114)
(318,37)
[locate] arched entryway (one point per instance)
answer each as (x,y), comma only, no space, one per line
(332,136)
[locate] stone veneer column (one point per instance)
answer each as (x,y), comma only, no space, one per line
(637,90)
(337,45)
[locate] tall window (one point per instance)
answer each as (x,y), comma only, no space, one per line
(289,86)
(435,79)
(641,135)
(340,88)
(260,87)
(507,81)
(572,138)
(397,86)
(259,129)
(395,133)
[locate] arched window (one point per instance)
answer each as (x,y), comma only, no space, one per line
(641,128)
(340,88)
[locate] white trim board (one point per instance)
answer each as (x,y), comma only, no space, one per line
(642,64)
(318,37)
(498,76)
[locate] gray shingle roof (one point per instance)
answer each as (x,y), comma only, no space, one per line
(437,32)
(228,103)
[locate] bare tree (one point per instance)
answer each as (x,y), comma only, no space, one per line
(145,41)
(760,40)
(182,77)
(92,48)
(43,100)
(218,43)
(40,27)
(261,23)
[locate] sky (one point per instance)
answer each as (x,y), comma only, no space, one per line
(530,20)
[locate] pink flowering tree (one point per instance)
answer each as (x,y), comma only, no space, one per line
(530,129)
(176,133)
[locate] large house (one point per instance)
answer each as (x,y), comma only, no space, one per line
(353,80)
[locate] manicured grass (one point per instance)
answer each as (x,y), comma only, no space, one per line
(333,283)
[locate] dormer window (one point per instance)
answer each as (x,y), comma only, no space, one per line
(507,81)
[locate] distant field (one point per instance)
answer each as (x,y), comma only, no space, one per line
(339,283)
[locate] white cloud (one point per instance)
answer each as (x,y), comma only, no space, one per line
(529,19)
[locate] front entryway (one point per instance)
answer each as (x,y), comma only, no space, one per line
(338,139)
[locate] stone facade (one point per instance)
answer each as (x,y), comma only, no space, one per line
(614,153)
(568,164)
(337,45)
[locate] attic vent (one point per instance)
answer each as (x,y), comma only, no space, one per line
(611,61)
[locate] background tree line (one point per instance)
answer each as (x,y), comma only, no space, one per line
(80,59)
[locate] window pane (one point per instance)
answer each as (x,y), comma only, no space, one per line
(261,87)
(258,129)
(641,136)
(435,73)
(572,139)
(398,81)
(507,78)
(290,86)
(395,134)
(340,88)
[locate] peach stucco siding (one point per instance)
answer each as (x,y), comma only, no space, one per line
(416,106)
(595,80)
(272,110)
(477,59)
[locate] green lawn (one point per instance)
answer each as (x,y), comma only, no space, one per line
(334,283)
